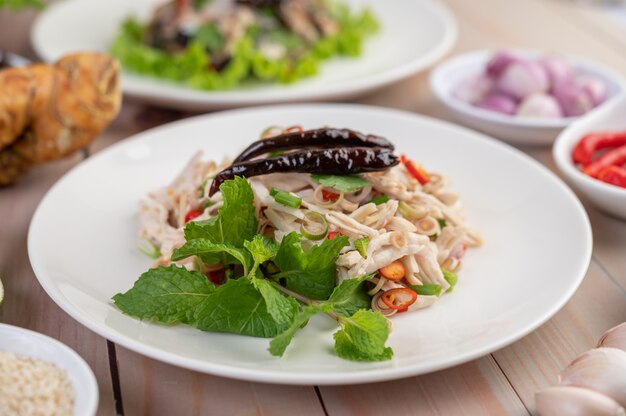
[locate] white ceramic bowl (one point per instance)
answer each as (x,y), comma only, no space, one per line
(609,198)
(24,342)
(520,130)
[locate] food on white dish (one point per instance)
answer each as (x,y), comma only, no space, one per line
(547,87)
(29,386)
(220,44)
(328,220)
(602,155)
(50,111)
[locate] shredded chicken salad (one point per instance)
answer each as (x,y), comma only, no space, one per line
(345,228)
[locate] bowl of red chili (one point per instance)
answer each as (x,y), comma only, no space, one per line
(591,154)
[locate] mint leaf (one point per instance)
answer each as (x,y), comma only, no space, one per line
(210,37)
(362,337)
(235,222)
(312,273)
(341,183)
(350,296)
(167,294)
(280,343)
(262,248)
(238,307)
(207,250)
(280,307)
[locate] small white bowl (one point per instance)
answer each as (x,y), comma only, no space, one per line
(520,130)
(32,344)
(611,117)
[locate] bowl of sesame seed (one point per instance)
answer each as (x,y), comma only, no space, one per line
(41,376)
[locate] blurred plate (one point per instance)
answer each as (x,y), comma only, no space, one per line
(414,34)
(83,247)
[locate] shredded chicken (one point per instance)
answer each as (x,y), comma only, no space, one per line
(432,235)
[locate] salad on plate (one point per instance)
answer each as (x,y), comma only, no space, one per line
(302,222)
(221,44)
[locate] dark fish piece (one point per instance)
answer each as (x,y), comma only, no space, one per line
(320,138)
(342,161)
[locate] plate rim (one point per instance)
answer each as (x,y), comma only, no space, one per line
(365,376)
(200,99)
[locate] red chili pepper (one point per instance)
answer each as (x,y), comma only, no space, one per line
(194,213)
(416,171)
(592,142)
(389,298)
(615,157)
(615,175)
(216,276)
(333,234)
(329,196)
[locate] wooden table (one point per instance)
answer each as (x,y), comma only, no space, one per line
(500,383)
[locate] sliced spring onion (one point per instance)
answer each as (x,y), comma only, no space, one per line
(427,289)
(451,278)
(314,226)
(361,246)
(285,198)
(150,249)
(381,199)
(411,213)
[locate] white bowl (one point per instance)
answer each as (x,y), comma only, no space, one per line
(609,198)
(520,130)
(32,344)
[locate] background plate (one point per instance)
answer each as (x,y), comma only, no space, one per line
(413,35)
(83,238)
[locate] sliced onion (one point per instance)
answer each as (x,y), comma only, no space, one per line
(380,306)
(314,226)
(320,201)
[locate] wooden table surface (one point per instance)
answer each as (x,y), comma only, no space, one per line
(503,382)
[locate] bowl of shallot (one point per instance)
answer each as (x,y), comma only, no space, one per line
(524,97)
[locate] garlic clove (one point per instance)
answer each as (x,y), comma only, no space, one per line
(575,401)
(614,338)
(602,370)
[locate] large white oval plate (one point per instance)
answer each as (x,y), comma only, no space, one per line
(83,238)
(414,34)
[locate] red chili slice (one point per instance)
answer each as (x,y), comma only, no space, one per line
(417,172)
(389,298)
(216,276)
(592,142)
(615,157)
(194,213)
(333,234)
(613,175)
(329,196)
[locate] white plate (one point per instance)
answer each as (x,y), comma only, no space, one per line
(520,130)
(83,238)
(413,35)
(32,344)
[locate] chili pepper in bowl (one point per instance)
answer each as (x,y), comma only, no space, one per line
(602,156)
